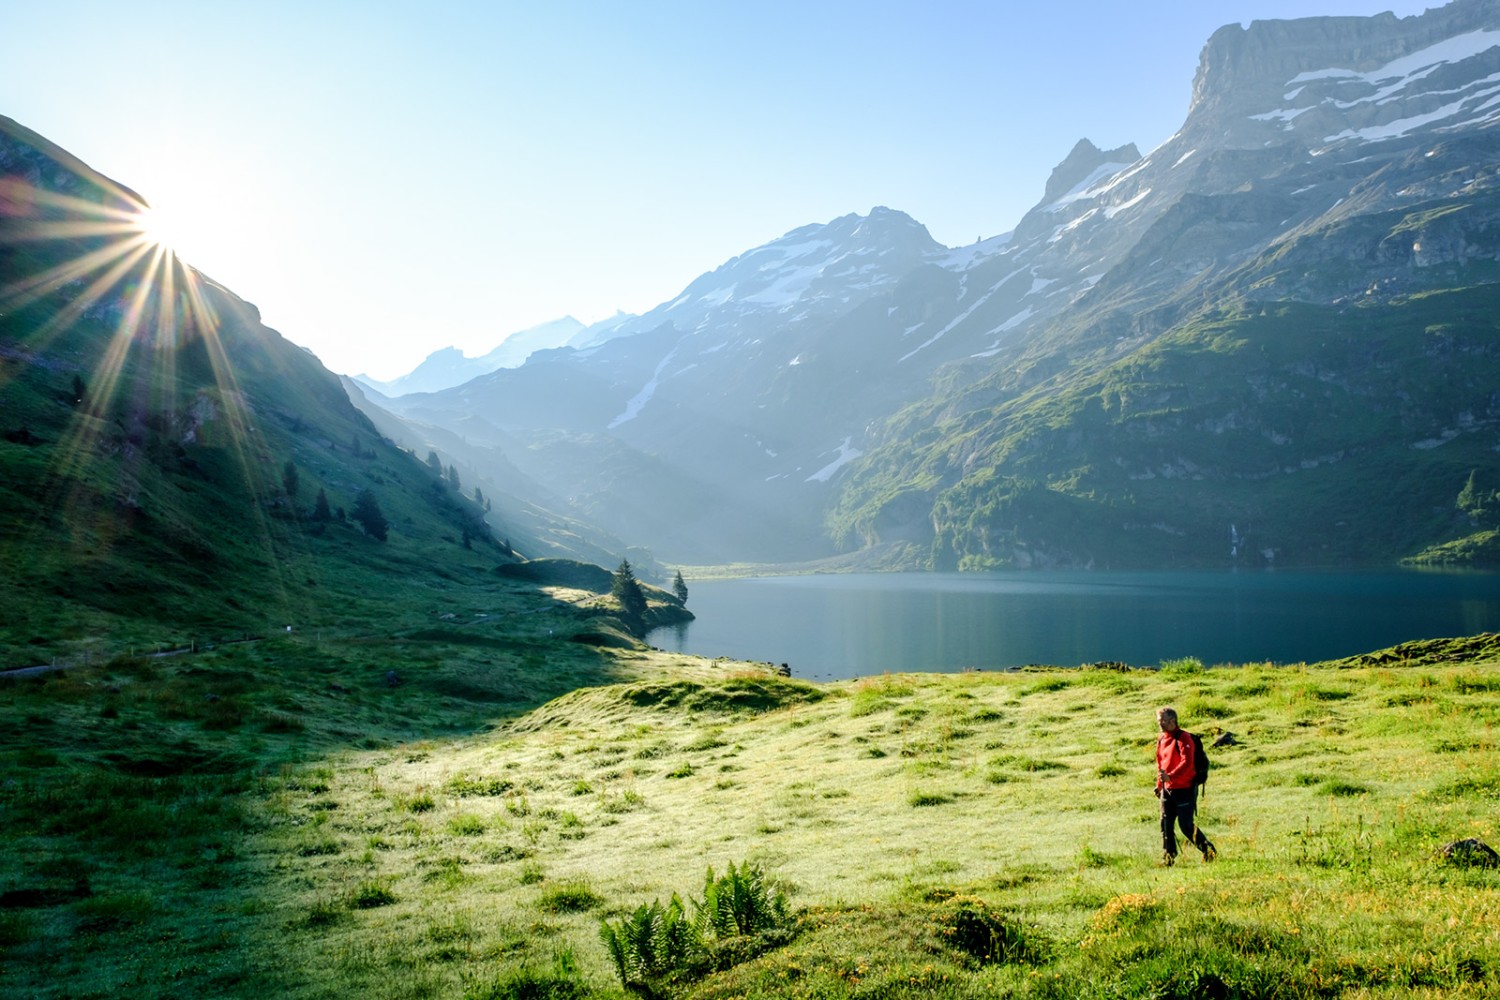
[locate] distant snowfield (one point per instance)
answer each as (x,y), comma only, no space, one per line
(846,455)
(1084,189)
(1476,102)
(640,399)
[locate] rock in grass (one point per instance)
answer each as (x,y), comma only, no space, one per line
(1470,853)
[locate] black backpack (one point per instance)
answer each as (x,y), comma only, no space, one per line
(1200,761)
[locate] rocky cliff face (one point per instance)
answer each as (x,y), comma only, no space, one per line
(858,368)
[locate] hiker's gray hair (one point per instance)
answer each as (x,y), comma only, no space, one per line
(1166,713)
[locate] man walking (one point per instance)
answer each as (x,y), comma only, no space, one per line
(1177,781)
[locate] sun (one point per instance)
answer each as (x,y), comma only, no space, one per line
(164,228)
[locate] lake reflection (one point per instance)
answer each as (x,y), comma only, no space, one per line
(835,626)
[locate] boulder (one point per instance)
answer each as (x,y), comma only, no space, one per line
(1470,853)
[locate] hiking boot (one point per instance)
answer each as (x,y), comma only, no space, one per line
(1167,860)
(1209,852)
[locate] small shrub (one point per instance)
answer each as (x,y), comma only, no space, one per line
(868,703)
(448,872)
(325,913)
(581,787)
(568,897)
(1088,857)
(708,741)
(466,825)
(1202,708)
(1344,789)
(319,848)
(919,799)
(421,803)
(1031,764)
(682,770)
(531,873)
(1127,912)
(626,801)
(528,984)
(1111,770)
(370,895)
(564,982)
(463,786)
(572,826)
(1185,666)
(968,925)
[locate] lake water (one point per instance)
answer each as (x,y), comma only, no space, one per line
(836,626)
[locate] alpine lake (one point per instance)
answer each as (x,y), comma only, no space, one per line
(832,626)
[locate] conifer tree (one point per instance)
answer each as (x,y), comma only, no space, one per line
(289,480)
(368,513)
(627,590)
(434,463)
(320,507)
(1479,504)
(679,587)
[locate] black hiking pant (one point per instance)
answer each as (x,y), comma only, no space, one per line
(1178,806)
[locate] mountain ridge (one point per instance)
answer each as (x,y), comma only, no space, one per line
(780,379)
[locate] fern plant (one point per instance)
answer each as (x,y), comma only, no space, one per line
(651,945)
(741,902)
(740,916)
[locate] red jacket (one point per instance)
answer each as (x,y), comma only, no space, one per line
(1174,759)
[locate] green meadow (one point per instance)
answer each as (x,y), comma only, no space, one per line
(284,818)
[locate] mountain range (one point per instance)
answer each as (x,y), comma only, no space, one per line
(1267,340)
(449,366)
(1270,340)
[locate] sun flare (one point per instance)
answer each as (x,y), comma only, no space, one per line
(164,228)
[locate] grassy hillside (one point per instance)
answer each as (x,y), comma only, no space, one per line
(221,831)
(1325,435)
(172,472)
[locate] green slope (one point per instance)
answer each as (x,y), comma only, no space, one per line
(954,836)
(1323,434)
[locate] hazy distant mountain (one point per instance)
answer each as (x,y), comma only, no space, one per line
(1268,338)
(449,367)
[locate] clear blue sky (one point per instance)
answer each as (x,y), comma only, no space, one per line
(383,179)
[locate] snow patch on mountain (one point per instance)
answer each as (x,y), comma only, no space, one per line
(1340,89)
(1397,74)
(845,456)
(639,400)
(1084,189)
(959,318)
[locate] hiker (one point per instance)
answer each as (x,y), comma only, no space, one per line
(1181,766)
